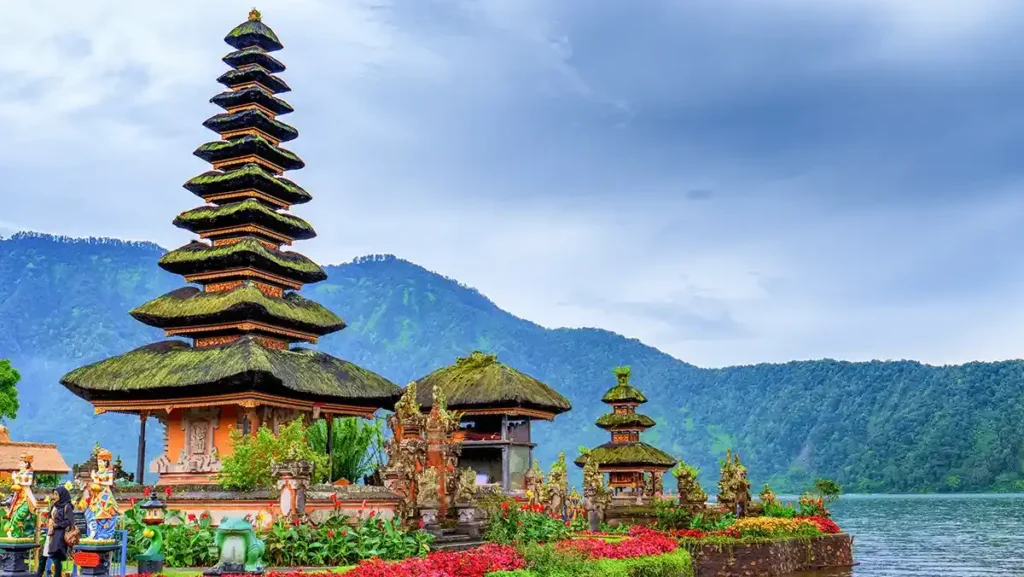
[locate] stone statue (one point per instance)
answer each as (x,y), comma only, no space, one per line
(101,511)
(534,480)
(733,485)
(20,522)
(466,494)
(241,551)
(557,487)
(596,497)
(691,494)
(428,489)
(767,495)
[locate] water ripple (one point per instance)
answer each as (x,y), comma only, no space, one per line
(933,535)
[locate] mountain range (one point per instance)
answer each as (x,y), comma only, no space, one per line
(893,426)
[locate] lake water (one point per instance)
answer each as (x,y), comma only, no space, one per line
(932,535)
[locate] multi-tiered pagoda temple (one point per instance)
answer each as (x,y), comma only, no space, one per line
(626,458)
(240,369)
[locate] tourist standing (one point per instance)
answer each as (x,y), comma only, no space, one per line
(62,518)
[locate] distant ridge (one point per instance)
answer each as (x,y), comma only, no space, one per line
(878,426)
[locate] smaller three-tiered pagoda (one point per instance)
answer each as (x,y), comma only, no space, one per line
(626,459)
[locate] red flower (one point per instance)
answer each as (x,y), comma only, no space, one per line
(373,514)
(421,524)
(296,521)
(330,534)
(272,504)
(504,505)
(146,492)
(824,524)
(167,491)
(191,518)
(205,515)
(132,501)
(344,533)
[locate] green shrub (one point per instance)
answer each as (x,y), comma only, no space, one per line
(250,465)
(776,509)
(670,516)
(523,523)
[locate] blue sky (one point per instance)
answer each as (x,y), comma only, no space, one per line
(732,181)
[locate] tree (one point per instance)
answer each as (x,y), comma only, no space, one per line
(828,490)
(9,378)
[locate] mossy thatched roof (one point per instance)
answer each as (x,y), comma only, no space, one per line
(189,306)
(251,95)
(251,176)
(628,455)
(252,55)
(632,420)
(480,381)
(253,32)
(256,74)
(174,369)
(197,257)
(248,211)
(623,392)
(219,150)
(226,122)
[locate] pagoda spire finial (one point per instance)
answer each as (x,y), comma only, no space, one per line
(254,15)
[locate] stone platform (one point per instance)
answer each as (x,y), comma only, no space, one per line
(772,559)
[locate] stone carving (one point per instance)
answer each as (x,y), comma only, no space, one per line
(691,494)
(768,496)
(535,483)
(406,450)
(199,455)
(733,485)
(596,496)
(466,494)
(293,478)
(428,489)
(556,489)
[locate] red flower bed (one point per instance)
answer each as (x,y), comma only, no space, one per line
(473,563)
(824,524)
(641,542)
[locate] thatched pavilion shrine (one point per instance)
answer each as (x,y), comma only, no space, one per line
(240,369)
(632,466)
(497,404)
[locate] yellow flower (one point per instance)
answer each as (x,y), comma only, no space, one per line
(529,494)
(68,485)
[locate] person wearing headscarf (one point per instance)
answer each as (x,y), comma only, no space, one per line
(62,518)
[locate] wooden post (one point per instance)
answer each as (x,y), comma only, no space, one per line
(330,447)
(140,466)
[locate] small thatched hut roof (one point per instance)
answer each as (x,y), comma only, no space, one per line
(45,456)
(480,382)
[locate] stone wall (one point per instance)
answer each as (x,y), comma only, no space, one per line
(772,559)
(352,500)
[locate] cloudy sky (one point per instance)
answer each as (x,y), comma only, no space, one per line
(732,181)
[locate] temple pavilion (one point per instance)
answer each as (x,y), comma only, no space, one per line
(626,459)
(497,404)
(234,363)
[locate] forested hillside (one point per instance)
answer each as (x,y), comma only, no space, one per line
(879,426)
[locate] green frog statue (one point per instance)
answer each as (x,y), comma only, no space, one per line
(241,551)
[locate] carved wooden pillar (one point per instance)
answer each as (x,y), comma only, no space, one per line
(140,465)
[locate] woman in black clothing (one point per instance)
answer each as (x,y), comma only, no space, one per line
(62,518)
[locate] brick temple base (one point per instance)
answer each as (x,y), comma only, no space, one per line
(772,559)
